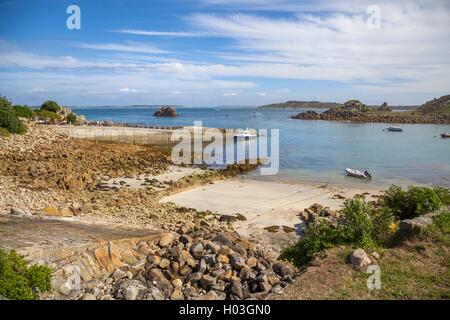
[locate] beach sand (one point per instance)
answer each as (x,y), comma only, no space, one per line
(265,204)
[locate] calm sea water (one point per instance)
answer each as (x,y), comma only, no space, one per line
(319,151)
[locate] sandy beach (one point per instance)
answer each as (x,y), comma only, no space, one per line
(265,203)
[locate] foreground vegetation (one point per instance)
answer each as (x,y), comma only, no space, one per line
(367,225)
(417,268)
(9,120)
(10,116)
(18,281)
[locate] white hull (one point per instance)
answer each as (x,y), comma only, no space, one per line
(356,174)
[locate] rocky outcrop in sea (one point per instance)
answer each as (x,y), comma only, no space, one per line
(355,111)
(166,112)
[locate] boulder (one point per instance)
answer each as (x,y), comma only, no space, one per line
(177,294)
(252,262)
(119,274)
(160,281)
(165,240)
(196,250)
(154,294)
(166,112)
(130,290)
(236,291)
(237,261)
(177,283)
(51,211)
(282,269)
(411,227)
(223,240)
(186,258)
(359,258)
(207,281)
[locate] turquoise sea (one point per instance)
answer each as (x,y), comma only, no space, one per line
(319,151)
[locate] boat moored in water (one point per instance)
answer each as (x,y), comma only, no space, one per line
(445,135)
(358,174)
(394,129)
(244,135)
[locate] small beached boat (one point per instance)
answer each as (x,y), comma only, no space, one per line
(244,134)
(358,174)
(394,129)
(445,135)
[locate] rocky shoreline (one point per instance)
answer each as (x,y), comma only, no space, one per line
(378,117)
(436,111)
(46,175)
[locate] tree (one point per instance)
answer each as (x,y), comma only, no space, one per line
(71,118)
(51,106)
(9,119)
(23,111)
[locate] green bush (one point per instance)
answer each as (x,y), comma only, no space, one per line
(357,222)
(440,228)
(384,225)
(364,226)
(20,282)
(319,236)
(51,106)
(23,111)
(356,231)
(442,222)
(45,114)
(9,119)
(415,201)
(443,194)
(72,118)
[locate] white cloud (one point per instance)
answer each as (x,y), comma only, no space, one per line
(162,33)
(410,54)
(230,94)
(129,47)
(128,90)
(412,44)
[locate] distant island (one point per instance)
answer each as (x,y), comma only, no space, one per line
(320,105)
(302,104)
(434,111)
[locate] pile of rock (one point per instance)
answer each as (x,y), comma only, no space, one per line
(199,263)
(308,115)
(317,211)
(166,112)
(355,111)
(36,138)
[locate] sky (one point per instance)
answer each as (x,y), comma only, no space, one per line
(224,52)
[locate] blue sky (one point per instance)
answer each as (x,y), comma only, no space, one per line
(218,52)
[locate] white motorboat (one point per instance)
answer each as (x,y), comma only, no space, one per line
(358,174)
(394,129)
(244,134)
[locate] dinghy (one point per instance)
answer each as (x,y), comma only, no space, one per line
(445,135)
(394,129)
(358,174)
(244,135)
